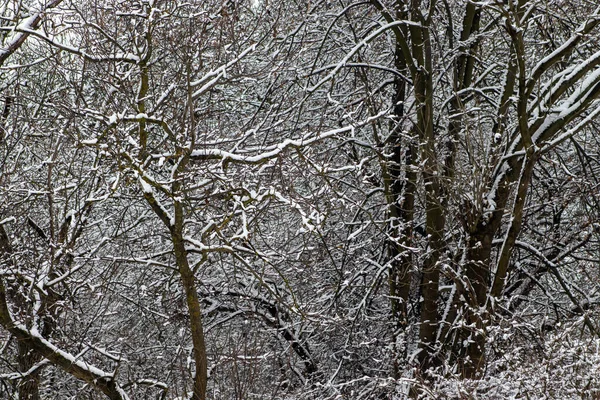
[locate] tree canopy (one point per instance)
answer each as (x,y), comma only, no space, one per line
(249,199)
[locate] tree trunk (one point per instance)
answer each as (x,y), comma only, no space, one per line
(188,281)
(400,197)
(28,387)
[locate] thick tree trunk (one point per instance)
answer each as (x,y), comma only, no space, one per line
(400,189)
(434,213)
(193,303)
(188,281)
(28,387)
(470,346)
(401,262)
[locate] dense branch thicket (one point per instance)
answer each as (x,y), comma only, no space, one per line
(301,200)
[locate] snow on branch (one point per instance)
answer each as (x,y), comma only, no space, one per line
(215,75)
(23,30)
(270,152)
(20,375)
(274,151)
(343,62)
(102,380)
(567,47)
(130,58)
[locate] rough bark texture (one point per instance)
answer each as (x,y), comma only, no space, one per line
(191,296)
